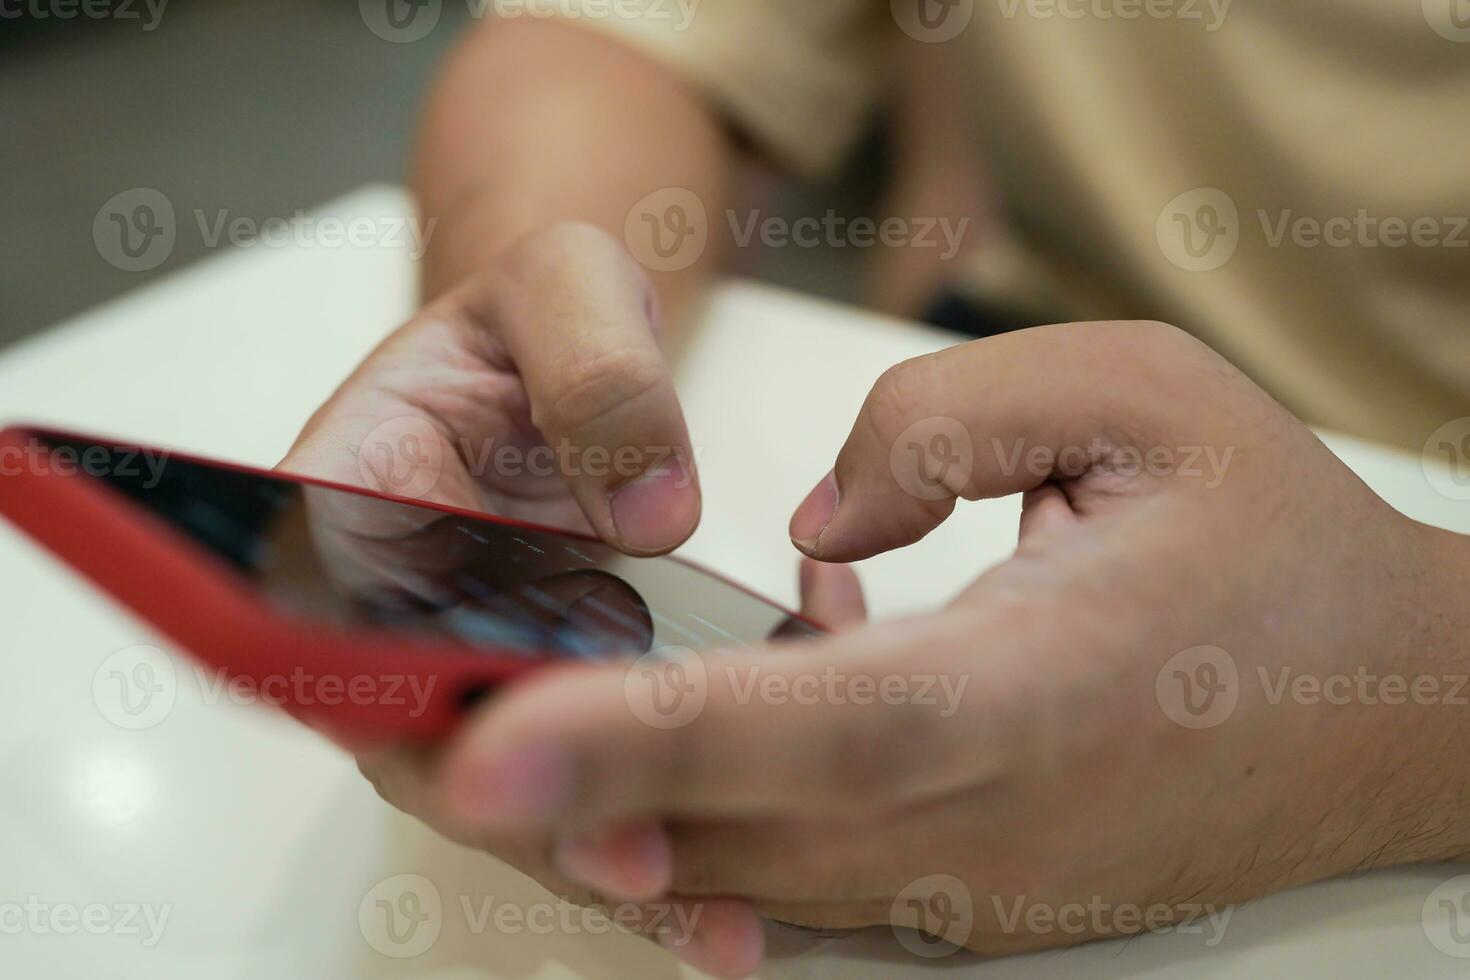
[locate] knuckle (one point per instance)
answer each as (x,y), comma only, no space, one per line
(1155,337)
(1150,329)
(899,396)
(594,391)
(1169,359)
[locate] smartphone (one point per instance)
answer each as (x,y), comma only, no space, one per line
(296,586)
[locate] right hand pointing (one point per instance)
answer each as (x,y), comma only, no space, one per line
(536,390)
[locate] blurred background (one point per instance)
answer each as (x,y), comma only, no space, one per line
(258,108)
(261,107)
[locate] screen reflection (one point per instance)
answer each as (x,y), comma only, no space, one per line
(357,560)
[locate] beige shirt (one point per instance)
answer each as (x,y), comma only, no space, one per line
(1288,179)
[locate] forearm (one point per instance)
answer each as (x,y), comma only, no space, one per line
(535,122)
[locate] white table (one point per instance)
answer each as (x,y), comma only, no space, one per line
(264,842)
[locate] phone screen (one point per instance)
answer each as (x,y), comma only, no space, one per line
(353,559)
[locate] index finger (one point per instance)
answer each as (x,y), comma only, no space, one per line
(575,317)
(1006,415)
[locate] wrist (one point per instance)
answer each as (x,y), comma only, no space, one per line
(1433,641)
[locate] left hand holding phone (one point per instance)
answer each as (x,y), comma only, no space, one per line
(537,390)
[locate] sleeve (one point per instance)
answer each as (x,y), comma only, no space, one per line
(798,76)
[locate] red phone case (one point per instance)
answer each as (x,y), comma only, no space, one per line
(210,611)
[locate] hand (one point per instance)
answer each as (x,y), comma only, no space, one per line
(1098,721)
(628,863)
(535,391)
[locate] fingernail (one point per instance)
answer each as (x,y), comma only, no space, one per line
(657,510)
(634,864)
(513,792)
(814,514)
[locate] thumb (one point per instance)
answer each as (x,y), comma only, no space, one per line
(577,320)
(1000,416)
